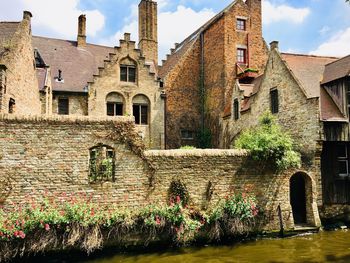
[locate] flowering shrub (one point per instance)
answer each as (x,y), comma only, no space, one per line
(62,220)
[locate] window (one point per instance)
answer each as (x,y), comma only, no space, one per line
(241,55)
(12,105)
(347,85)
(241,24)
(274,101)
(128,73)
(101,164)
(343,161)
(236,109)
(187,135)
(140,109)
(63,106)
(115,105)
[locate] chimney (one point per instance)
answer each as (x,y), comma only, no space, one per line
(27,15)
(148,30)
(81,41)
(274,45)
(127,37)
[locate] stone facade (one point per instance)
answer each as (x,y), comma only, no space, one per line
(78,103)
(52,154)
(19,82)
(109,81)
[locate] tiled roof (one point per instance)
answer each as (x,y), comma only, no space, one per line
(308,70)
(7,30)
(78,65)
(329,110)
(181,49)
(336,70)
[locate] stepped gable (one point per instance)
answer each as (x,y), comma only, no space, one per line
(78,65)
(7,31)
(308,70)
(185,45)
(337,70)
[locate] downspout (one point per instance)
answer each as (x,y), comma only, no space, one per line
(248,57)
(202,91)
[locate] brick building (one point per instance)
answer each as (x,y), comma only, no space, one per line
(200,71)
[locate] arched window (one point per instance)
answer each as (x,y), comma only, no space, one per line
(128,70)
(101,164)
(115,104)
(140,108)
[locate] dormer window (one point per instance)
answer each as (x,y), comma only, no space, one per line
(241,24)
(127,73)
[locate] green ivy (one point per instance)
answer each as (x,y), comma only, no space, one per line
(269,143)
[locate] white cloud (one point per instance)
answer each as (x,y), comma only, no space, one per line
(59,18)
(273,13)
(338,45)
(172,27)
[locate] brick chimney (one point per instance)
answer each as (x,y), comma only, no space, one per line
(81,40)
(27,15)
(148,30)
(274,45)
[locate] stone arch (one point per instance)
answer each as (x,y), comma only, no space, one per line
(303,200)
(115,104)
(141,108)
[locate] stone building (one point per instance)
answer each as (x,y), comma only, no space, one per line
(40,75)
(200,71)
(315,115)
(18,82)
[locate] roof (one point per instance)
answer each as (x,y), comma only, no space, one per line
(181,49)
(7,30)
(41,74)
(78,65)
(337,70)
(329,110)
(308,70)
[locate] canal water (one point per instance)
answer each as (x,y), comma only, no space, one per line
(309,248)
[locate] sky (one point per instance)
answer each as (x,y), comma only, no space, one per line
(318,27)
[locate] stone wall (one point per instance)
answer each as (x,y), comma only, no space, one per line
(40,154)
(78,103)
(22,83)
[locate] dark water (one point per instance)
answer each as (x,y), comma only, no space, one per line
(322,247)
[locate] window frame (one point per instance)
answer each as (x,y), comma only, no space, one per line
(140,106)
(115,104)
(59,107)
(241,24)
(343,159)
(241,59)
(97,168)
(128,74)
(274,101)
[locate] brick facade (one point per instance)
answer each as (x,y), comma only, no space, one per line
(52,154)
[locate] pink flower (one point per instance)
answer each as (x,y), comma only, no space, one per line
(178,199)
(47,227)
(157,220)
(21,234)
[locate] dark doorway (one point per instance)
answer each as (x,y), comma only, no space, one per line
(298,198)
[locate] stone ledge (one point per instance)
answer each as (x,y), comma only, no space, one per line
(62,119)
(196,153)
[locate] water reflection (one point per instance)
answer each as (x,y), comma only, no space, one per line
(323,247)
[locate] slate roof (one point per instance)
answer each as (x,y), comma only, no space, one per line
(41,75)
(337,70)
(308,70)
(182,48)
(78,65)
(7,31)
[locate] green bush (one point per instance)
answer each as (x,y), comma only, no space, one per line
(268,143)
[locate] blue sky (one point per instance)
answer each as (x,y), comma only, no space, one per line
(301,26)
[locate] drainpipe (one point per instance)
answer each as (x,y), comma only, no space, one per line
(248,57)
(202,91)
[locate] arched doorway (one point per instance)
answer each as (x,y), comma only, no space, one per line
(298,198)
